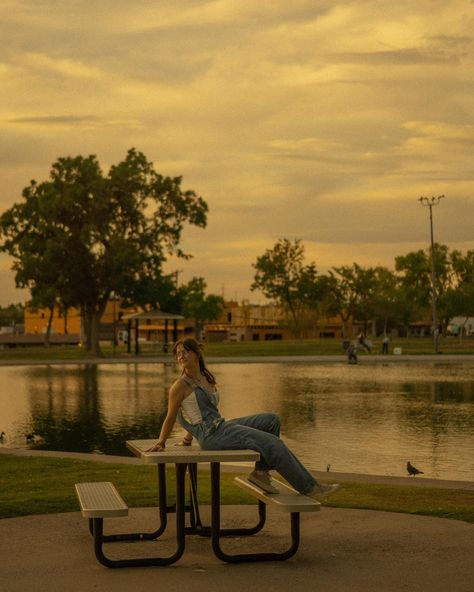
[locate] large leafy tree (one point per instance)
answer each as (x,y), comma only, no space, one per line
(282,276)
(84,235)
(415,278)
(198,305)
(351,287)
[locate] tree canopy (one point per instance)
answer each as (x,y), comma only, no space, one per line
(198,305)
(368,294)
(281,274)
(82,235)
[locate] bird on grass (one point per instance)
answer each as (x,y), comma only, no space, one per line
(2,436)
(328,468)
(413,470)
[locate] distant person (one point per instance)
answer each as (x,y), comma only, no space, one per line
(363,342)
(351,351)
(385,342)
(194,401)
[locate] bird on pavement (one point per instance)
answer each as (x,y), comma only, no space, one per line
(413,470)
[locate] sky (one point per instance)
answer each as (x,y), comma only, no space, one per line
(317,120)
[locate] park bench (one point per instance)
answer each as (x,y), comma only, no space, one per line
(99,500)
(287,500)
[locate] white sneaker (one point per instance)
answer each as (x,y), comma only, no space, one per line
(263,480)
(322,490)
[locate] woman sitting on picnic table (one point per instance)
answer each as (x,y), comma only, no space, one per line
(193,400)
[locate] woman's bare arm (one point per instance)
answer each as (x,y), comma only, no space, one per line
(177,393)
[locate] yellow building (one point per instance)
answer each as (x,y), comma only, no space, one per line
(36,319)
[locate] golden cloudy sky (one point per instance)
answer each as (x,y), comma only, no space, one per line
(311,119)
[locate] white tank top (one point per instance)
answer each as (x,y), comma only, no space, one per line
(190,409)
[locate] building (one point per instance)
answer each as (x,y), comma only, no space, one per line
(254,322)
(238,322)
(36,320)
(246,322)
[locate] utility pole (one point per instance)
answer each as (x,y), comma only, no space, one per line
(176,273)
(430,202)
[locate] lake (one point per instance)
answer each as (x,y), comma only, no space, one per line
(368,418)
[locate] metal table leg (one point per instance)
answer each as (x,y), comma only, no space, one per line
(246,557)
(163,513)
(99,537)
(195,519)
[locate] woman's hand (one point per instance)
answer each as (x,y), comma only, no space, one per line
(184,442)
(158,447)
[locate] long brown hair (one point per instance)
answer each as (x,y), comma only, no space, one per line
(191,344)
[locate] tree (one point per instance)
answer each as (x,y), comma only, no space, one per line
(198,306)
(351,288)
(12,315)
(386,298)
(414,273)
(458,300)
(283,277)
(85,235)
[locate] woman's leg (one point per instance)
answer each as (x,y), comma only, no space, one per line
(266,422)
(275,454)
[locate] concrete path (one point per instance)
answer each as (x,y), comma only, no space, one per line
(341,551)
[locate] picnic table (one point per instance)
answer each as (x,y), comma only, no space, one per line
(101,500)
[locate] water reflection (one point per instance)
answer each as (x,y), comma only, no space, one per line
(368,419)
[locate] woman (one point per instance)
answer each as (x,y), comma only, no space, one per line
(193,400)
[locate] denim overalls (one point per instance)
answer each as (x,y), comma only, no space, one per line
(255,432)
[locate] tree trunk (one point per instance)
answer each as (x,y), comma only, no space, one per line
(198,329)
(95,328)
(47,337)
(91,328)
(65,320)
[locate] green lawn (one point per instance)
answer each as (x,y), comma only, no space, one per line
(38,485)
(422,345)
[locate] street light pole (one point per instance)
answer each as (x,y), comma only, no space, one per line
(430,202)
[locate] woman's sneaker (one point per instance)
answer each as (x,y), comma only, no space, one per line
(323,490)
(263,480)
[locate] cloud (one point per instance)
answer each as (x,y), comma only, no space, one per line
(48,120)
(324,121)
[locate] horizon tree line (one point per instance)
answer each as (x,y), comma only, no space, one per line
(83,236)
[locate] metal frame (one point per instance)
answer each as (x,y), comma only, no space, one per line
(96,525)
(100,538)
(247,557)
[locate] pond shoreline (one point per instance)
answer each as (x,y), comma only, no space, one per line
(299,359)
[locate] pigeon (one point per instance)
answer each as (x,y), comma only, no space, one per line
(413,470)
(328,468)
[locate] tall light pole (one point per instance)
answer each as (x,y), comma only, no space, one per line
(430,202)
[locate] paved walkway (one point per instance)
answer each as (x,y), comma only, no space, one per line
(341,551)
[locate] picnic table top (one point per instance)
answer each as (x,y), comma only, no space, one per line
(187,454)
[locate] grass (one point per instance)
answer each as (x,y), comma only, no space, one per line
(289,347)
(34,485)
